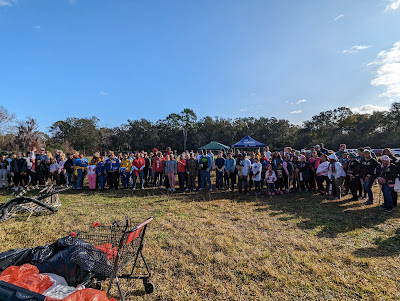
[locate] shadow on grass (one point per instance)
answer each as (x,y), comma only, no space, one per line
(384,247)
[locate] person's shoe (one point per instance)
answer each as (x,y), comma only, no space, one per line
(281,192)
(134,188)
(229,189)
(388,210)
(222,188)
(200,189)
(173,189)
(194,189)
(210,189)
(273,193)
(368,202)
(186,190)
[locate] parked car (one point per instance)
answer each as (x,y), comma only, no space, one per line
(396,152)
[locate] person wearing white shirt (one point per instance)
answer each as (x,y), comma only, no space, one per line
(322,174)
(256,167)
(243,171)
(337,175)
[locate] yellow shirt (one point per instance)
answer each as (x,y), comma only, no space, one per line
(126,163)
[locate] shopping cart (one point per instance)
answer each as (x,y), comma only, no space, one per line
(122,243)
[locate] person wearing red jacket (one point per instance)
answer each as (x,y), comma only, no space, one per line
(157,168)
(138,165)
(182,171)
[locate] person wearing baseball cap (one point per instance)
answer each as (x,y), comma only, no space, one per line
(386,173)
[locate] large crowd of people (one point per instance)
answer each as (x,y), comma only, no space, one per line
(313,170)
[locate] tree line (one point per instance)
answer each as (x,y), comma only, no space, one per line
(184,130)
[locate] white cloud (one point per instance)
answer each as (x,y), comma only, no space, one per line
(244,109)
(72,2)
(356,48)
(37,27)
(102,93)
(296,112)
(368,109)
(5,3)
(393,5)
(338,17)
(301,101)
(388,73)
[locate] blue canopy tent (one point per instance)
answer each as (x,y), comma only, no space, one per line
(248,142)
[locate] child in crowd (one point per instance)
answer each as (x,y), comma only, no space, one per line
(91,174)
(55,172)
(270,178)
(256,167)
(279,184)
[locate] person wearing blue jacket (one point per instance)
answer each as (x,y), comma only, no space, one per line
(112,169)
(230,165)
(80,165)
(101,172)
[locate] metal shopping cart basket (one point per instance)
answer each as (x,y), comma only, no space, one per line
(122,243)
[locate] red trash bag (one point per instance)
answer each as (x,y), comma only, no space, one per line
(27,276)
(87,294)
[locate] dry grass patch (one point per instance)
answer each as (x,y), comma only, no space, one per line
(223,246)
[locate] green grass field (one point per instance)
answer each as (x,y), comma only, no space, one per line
(225,246)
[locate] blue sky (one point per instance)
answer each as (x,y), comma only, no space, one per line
(128,59)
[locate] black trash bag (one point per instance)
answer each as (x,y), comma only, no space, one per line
(14,257)
(70,257)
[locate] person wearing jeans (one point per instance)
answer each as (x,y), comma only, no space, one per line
(230,166)
(205,168)
(387,173)
(368,168)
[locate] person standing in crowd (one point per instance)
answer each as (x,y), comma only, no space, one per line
(257,170)
(192,169)
(205,170)
(368,166)
(230,166)
(279,183)
(101,172)
(361,158)
(337,175)
(112,169)
(41,160)
(54,172)
(288,172)
(264,163)
(158,170)
(125,170)
(243,172)
(303,173)
(220,170)
(18,170)
(171,168)
(138,165)
(182,171)
(322,174)
(91,173)
(386,173)
(147,169)
(353,174)
(345,164)
(32,170)
(270,178)
(339,153)
(80,165)
(61,165)
(3,172)
(69,170)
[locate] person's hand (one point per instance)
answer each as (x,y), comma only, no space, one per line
(208,169)
(12,174)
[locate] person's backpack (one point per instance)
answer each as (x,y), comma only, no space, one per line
(204,162)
